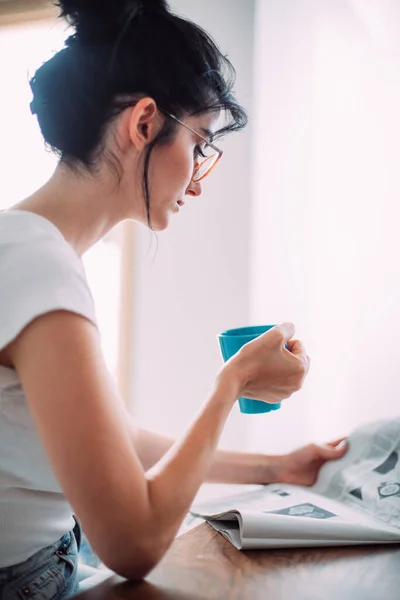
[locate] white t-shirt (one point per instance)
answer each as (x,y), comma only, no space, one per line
(39,273)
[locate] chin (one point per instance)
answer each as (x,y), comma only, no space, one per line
(160,224)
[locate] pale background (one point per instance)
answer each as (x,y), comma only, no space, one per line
(299,221)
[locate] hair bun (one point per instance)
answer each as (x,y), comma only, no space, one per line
(105,18)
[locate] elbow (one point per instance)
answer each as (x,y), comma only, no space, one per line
(133,571)
(133,552)
(134,565)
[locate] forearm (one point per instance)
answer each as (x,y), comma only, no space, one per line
(227,466)
(174,481)
(244,467)
(150,446)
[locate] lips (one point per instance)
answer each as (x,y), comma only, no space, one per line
(180,203)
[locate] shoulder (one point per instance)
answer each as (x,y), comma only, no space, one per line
(39,273)
(31,243)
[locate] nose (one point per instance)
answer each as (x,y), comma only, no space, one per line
(194,189)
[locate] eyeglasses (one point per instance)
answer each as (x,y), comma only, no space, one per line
(206,158)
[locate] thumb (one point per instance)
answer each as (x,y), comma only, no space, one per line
(287,330)
(330,452)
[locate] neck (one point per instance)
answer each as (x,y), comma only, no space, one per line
(83,208)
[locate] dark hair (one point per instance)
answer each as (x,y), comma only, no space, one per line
(123,50)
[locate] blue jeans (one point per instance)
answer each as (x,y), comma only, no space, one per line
(50,574)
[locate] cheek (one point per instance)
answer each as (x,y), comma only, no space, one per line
(177,165)
(183,171)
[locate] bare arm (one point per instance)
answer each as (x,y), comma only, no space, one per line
(130,517)
(227,466)
(299,467)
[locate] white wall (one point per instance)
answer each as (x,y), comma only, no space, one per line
(325,224)
(198,284)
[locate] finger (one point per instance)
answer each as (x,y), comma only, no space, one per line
(329,452)
(296,347)
(337,442)
(287,330)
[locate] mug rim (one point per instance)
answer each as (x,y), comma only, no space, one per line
(248,331)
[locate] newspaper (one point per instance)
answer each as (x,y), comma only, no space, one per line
(356,500)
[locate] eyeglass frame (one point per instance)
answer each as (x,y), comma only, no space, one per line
(215,148)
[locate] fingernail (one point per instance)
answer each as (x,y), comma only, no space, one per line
(342,444)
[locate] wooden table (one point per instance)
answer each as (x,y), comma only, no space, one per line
(202,565)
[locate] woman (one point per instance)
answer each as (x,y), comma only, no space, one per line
(130,106)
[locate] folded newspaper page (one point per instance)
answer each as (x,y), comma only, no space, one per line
(356,500)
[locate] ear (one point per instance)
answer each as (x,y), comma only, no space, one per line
(144,123)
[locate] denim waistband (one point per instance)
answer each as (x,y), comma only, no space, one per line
(77,530)
(43,555)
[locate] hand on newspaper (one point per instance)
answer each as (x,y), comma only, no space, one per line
(265,369)
(301,467)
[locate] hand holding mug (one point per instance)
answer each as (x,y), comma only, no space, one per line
(267,364)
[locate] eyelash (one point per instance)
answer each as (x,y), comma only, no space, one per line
(198,151)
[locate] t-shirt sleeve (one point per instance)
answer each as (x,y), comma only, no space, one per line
(38,278)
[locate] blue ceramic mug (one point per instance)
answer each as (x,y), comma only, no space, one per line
(230,342)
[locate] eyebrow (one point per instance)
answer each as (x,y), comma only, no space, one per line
(207,133)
